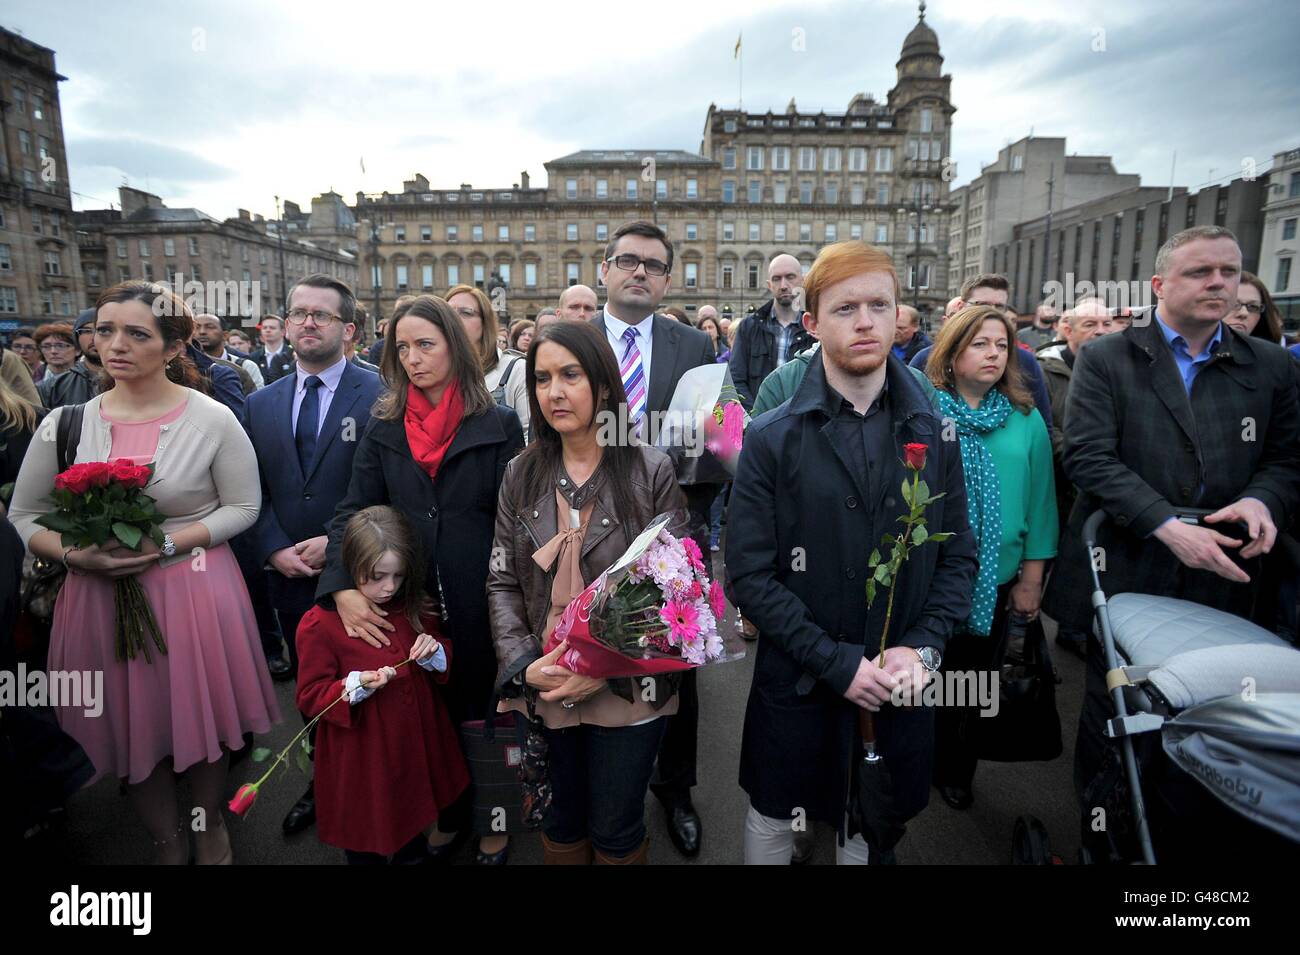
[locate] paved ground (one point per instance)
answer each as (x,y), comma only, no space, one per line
(103,829)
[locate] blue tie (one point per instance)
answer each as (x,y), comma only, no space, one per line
(308,421)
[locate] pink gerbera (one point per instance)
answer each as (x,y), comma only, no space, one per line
(717,601)
(682,620)
(693,553)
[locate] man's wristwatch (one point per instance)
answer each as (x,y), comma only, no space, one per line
(930,657)
(168,546)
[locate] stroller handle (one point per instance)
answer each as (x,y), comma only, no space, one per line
(1188,515)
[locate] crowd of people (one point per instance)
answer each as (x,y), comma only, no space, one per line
(336,510)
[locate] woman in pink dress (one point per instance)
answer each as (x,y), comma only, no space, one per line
(185,710)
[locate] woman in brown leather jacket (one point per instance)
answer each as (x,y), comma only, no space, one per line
(570,505)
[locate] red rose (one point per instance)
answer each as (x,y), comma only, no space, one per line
(99,473)
(243,800)
(76,479)
(129,475)
(914,456)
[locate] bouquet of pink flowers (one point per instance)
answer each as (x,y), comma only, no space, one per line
(655,611)
(704,426)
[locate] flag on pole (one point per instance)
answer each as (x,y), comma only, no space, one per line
(363,165)
(736,52)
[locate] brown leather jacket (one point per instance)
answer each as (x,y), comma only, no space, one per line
(519,592)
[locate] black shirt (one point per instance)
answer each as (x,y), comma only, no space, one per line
(862,439)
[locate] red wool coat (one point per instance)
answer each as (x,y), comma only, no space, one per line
(385,767)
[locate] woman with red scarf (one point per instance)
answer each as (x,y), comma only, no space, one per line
(436,449)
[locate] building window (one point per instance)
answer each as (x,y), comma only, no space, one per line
(692,188)
(530,233)
(630,192)
(146,271)
(1288,229)
(882,234)
(832,192)
(857,159)
(144,248)
(856,193)
(855,231)
(602,188)
(92,277)
(805,231)
(476,233)
(729,157)
(728,231)
(751,275)
(426,233)
(781,158)
(882,194)
(692,274)
(401,277)
(755,231)
(399,233)
(756,190)
(692,231)
(503,233)
(661,188)
(1017,162)
(194,246)
(243,253)
(728,190)
(927,120)
(571,232)
(884,159)
(831,232)
(123,273)
(571,273)
(426,276)
(831,159)
(1191,213)
(453,274)
(571,189)
(453,233)
(169,247)
(121,248)
(24,142)
(778,191)
(503,270)
(1283,276)
(728,275)
(530,275)
(728,125)
(9,300)
(754,158)
(53,265)
(805,191)
(778,232)
(602,231)
(807,158)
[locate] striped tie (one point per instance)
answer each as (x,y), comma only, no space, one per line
(633,373)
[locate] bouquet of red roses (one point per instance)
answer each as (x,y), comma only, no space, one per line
(101,503)
(654,611)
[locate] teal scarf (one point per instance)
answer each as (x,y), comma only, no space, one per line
(983,493)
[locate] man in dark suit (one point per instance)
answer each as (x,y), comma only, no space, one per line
(274,356)
(1177,411)
(653,353)
(305,428)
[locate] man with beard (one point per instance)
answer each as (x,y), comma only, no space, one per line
(79,383)
(211,337)
(816,488)
(772,335)
(305,428)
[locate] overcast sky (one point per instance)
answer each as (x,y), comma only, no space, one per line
(222,105)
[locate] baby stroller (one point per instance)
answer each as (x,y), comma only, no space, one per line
(1203,736)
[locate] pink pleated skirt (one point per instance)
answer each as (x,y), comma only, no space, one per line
(210,689)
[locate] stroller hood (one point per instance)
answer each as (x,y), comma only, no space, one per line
(1245,752)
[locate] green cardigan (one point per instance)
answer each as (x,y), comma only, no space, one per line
(1022,454)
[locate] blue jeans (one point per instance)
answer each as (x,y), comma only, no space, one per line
(599,776)
(715,515)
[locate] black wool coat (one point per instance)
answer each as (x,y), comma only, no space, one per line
(800,532)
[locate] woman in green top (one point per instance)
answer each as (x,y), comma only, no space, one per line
(1011,500)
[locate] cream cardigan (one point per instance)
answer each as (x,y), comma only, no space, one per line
(205,470)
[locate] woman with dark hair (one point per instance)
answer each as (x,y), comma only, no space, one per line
(1011,502)
(570,506)
(503,373)
(521,336)
(435,449)
(186,709)
(710,325)
(1254,313)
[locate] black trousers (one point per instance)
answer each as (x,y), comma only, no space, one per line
(413,853)
(955,754)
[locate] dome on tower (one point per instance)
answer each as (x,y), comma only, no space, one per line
(922,40)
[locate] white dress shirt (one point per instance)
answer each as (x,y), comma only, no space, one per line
(330,379)
(614,329)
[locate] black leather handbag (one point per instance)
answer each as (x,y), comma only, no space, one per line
(1027,726)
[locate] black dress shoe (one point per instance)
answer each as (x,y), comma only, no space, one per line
(684,828)
(281,669)
(302,815)
(959,797)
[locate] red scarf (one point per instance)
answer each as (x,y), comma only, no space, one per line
(430,430)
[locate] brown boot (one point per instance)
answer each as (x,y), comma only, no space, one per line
(637,857)
(566,853)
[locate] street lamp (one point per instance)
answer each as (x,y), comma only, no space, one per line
(374,272)
(918,209)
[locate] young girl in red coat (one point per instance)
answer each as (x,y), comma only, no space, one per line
(388,761)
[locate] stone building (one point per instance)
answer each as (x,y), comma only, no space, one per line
(243,264)
(40,270)
(1278,243)
(762,183)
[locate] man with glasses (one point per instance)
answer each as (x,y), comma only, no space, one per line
(653,353)
(23,344)
(1042,330)
(305,428)
(774,333)
(994,290)
(77,380)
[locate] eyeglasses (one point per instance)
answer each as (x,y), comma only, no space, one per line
(23,347)
(630,263)
(299,316)
(1255,308)
(55,346)
(467,312)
